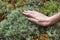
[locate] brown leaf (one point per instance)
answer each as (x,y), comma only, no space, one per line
(42,37)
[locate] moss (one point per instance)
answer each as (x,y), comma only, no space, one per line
(49,7)
(15,25)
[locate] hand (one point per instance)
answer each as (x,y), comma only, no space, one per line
(37,18)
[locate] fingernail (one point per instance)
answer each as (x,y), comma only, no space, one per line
(28,18)
(23,13)
(24,10)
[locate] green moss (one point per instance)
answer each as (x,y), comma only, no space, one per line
(16,26)
(49,7)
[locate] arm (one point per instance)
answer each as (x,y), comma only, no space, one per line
(55,18)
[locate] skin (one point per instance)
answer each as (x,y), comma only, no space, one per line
(42,19)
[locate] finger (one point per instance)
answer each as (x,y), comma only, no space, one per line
(36,21)
(25,14)
(28,14)
(27,11)
(33,20)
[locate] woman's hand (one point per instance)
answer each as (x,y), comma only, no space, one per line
(37,18)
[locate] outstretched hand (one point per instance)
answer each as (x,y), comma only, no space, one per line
(37,18)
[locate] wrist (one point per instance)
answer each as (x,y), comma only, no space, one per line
(55,18)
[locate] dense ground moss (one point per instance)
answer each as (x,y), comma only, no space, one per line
(15,26)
